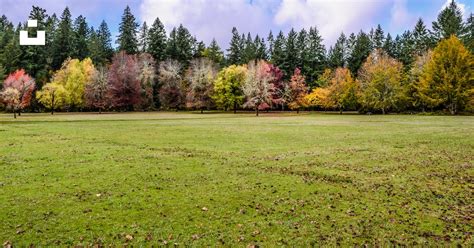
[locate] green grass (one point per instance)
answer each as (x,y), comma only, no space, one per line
(276,180)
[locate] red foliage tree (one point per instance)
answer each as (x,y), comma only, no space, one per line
(124,81)
(18,90)
(298,91)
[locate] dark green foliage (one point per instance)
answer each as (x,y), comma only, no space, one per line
(469,36)
(214,53)
(301,49)
(198,48)
(157,40)
(314,57)
(249,52)
(389,45)
(271,41)
(235,51)
(105,40)
(449,22)
(291,54)
(377,37)
(81,35)
(143,38)
(180,45)
(421,38)
(278,51)
(359,52)
(260,48)
(127,39)
(63,40)
(337,54)
(405,48)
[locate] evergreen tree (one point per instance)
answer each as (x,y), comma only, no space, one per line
(421,38)
(127,39)
(143,38)
(198,48)
(12,53)
(301,49)
(249,52)
(359,53)
(105,40)
(336,54)
(180,45)
(405,48)
(214,53)
(389,46)
(35,57)
(270,41)
(63,40)
(260,48)
(278,51)
(81,36)
(469,37)
(291,54)
(234,56)
(449,22)
(94,48)
(314,57)
(157,41)
(377,38)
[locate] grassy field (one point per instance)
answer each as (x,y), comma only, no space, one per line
(236,180)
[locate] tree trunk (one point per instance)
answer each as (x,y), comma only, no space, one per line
(100,111)
(19,112)
(14,114)
(256,109)
(340,111)
(202,111)
(52,111)
(297,110)
(383,111)
(235,107)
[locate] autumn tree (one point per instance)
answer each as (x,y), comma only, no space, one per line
(52,96)
(17,91)
(147,77)
(124,81)
(95,92)
(228,87)
(172,92)
(381,82)
(414,85)
(298,91)
(257,86)
(342,90)
(74,75)
(319,97)
(201,76)
(448,78)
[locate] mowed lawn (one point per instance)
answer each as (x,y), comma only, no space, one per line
(193,179)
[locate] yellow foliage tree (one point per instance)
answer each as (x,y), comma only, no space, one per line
(73,76)
(52,96)
(448,78)
(228,87)
(342,90)
(319,97)
(381,80)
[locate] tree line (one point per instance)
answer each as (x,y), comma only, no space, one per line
(79,70)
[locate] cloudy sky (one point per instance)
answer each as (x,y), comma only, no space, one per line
(209,19)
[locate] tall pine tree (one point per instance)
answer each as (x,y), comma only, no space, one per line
(337,55)
(235,53)
(157,41)
(143,38)
(81,37)
(127,39)
(360,51)
(449,22)
(63,40)
(314,57)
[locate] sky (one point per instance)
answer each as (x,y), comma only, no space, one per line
(208,19)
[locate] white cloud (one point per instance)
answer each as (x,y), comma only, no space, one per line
(330,16)
(401,17)
(464,9)
(209,19)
